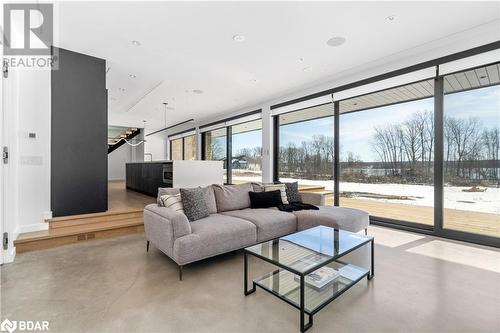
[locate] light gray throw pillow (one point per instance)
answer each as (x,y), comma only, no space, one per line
(232,197)
(193,202)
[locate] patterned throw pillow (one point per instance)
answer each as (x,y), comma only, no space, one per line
(280,187)
(193,200)
(292,192)
(172,201)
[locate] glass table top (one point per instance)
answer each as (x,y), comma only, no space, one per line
(309,249)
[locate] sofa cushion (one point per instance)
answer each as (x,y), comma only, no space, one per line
(270,222)
(213,235)
(193,201)
(265,199)
(232,197)
(337,217)
(208,191)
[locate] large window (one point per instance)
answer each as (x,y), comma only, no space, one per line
(306,149)
(176,149)
(471,151)
(190,147)
(246,147)
(183,148)
(387,153)
(215,147)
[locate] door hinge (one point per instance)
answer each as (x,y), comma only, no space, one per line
(5,155)
(5,70)
(5,240)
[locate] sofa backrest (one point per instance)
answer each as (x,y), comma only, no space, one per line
(207,190)
(232,197)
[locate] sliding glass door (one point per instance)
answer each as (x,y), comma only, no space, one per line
(471,151)
(387,153)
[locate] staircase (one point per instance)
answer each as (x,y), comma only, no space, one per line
(78,228)
(120,139)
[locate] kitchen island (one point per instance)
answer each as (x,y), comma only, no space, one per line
(147,177)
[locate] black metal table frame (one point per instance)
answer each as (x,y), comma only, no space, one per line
(303,326)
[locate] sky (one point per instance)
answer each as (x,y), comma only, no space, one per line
(357,128)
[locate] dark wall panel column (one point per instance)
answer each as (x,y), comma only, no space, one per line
(79,157)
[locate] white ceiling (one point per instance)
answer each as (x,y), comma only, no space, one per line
(188,45)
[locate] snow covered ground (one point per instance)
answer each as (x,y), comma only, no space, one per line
(421,195)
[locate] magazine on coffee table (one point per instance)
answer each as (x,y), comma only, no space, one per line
(320,277)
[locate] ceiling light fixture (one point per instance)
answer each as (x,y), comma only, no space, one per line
(165,104)
(121,89)
(136,43)
(239,38)
(132,76)
(336,41)
(197,91)
(391,18)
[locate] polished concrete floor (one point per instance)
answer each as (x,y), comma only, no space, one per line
(422,284)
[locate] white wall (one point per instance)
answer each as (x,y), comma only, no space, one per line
(26,110)
(157,146)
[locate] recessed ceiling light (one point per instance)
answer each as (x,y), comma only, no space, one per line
(121,89)
(132,76)
(483,77)
(254,80)
(239,38)
(336,41)
(301,59)
(136,43)
(391,18)
(197,91)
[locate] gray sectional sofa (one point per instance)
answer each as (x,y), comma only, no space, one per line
(233,225)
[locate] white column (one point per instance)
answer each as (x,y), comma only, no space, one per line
(267,145)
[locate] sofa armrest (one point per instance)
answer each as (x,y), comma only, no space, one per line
(178,221)
(317,199)
(163,226)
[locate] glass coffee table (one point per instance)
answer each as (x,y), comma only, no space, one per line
(302,253)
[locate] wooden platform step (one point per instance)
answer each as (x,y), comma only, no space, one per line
(73,229)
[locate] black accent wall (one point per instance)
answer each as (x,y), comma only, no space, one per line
(79,151)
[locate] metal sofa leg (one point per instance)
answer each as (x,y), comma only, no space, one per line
(147,246)
(366,231)
(180,272)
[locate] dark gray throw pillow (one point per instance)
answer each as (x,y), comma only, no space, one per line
(193,201)
(292,192)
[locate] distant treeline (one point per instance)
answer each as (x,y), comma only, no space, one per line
(405,154)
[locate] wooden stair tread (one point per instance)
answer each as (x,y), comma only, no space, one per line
(85,216)
(69,231)
(94,219)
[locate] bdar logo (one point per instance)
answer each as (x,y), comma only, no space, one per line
(8,325)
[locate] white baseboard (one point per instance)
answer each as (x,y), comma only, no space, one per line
(32,227)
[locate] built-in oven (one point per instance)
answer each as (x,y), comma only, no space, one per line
(167,173)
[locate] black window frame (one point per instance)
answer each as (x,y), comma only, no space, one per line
(437,228)
(229,139)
